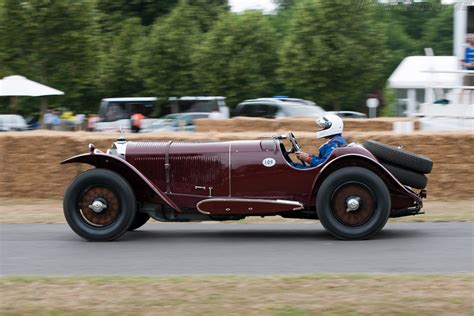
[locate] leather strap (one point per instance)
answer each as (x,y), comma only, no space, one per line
(168,167)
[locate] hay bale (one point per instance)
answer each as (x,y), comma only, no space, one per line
(30,161)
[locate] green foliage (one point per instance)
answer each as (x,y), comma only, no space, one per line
(399,45)
(438,32)
(4,66)
(284,4)
(119,75)
(53,42)
(115,12)
(332,54)
(237,58)
(389,106)
(413,17)
(411,28)
(165,55)
(206,12)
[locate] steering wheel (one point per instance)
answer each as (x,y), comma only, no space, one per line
(294,145)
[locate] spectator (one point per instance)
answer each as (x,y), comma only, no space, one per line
(93,119)
(137,122)
(56,120)
(468,64)
(79,122)
(48,119)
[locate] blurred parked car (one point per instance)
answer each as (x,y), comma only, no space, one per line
(12,122)
(176,122)
(195,104)
(348,114)
(278,107)
(115,113)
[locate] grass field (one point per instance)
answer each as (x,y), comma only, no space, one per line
(19,211)
(325,294)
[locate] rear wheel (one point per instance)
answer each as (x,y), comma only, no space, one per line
(353,203)
(99,205)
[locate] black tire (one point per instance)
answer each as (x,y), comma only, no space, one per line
(111,190)
(407,177)
(400,157)
(139,221)
(343,185)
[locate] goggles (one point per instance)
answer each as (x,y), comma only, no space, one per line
(324,123)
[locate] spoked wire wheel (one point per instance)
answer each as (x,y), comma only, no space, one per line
(353,203)
(99,206)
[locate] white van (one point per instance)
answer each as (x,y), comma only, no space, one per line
(115,113)
(12,122)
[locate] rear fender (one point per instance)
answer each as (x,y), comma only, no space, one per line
(401,197)
(139,182)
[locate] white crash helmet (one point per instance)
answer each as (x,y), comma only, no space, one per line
(330,125)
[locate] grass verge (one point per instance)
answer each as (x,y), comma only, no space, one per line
(321,294)
(35,211)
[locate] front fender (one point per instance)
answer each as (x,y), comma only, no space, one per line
(401,197)
(122,167)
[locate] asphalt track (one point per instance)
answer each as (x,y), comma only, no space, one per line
(186,249)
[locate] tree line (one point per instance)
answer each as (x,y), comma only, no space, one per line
(335,53)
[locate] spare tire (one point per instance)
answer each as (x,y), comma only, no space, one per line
(400,157)
(407,177)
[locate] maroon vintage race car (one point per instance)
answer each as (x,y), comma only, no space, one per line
(353,193)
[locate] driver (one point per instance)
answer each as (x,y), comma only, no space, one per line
(331,129)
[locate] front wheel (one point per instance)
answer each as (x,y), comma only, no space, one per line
(99,205)
(353,203)
(139,221)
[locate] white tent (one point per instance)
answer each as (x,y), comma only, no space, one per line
(21,86)
(420,72)
(425,73)
(14,86)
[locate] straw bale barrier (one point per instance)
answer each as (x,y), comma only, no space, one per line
(29,161)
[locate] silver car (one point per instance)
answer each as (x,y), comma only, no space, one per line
(176,122)
(278,107)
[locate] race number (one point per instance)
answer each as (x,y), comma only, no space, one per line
(268,162)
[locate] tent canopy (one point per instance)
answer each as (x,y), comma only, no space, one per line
(21,86)
(411,73)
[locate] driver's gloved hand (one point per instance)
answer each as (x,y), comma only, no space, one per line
(301,155)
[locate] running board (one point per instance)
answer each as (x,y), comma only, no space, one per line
(230,206)
(406,212)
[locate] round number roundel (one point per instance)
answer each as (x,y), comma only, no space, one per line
(268,162)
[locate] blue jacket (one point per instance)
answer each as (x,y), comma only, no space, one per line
(324,151)
(469,56)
